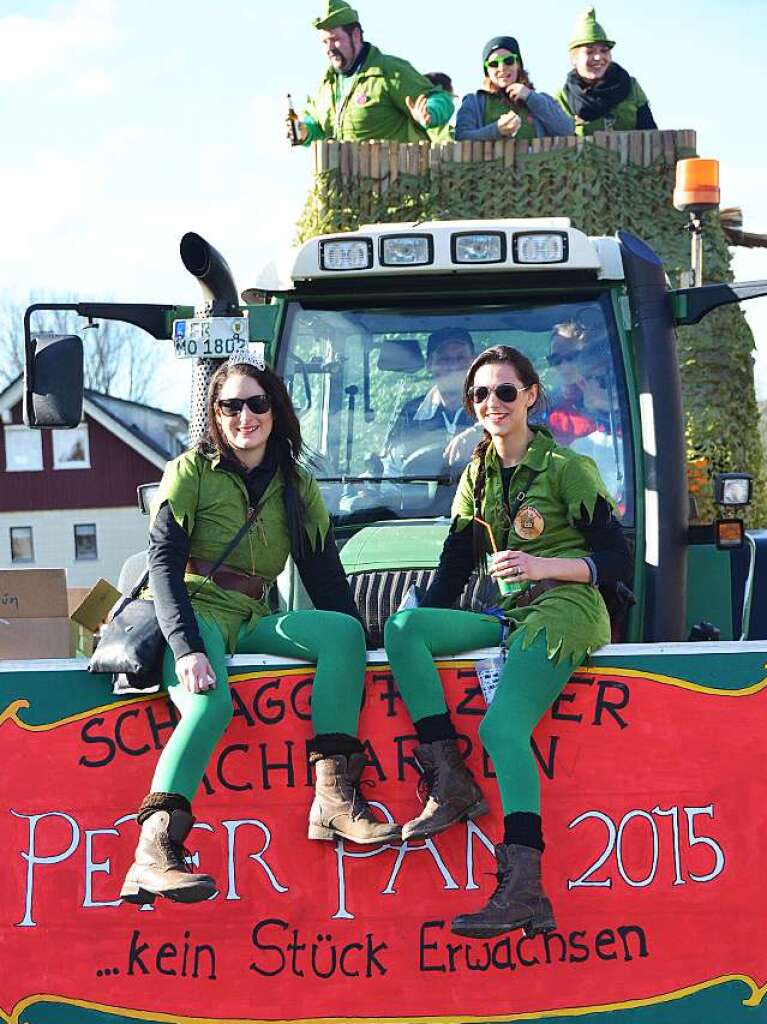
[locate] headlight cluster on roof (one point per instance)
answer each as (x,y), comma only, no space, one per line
(466,247)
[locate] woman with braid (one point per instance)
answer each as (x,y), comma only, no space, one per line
(250,460)
(551,517)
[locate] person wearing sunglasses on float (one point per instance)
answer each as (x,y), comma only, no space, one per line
(565,415)
(426,424)
(252,458)
(559,544)
(507,106)
(598,93)
(604,442)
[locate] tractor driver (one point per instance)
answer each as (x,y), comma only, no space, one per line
(426,425)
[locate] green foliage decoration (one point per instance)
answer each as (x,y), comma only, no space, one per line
(600,194)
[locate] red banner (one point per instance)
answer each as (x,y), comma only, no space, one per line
(653,807)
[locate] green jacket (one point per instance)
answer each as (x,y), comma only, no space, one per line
(211,504)
(573,615)
(371,103)
(496,106)
(622,117)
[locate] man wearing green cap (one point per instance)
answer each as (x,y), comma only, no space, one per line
(598,94)
(367,94)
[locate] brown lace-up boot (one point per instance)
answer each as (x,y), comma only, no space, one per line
(159,868)
(453,795)
(338,809)
(518,901)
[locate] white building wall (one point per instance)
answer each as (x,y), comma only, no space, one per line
(120,532)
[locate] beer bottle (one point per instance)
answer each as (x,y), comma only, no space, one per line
(293,122)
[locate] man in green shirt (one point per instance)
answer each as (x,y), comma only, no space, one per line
(366,94)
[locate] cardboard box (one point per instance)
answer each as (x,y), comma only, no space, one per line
(33,594)
(34,619)
(90,612)
(25,639)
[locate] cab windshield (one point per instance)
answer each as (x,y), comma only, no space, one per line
(378,393)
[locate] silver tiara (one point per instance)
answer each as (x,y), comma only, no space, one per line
(247,358)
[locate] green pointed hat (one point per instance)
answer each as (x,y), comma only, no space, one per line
(588,30)
(337,12)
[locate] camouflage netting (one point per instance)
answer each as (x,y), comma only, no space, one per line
(600,194)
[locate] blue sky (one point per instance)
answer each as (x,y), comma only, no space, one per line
(127,123)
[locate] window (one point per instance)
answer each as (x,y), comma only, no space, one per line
(71,449)
(23,449)
(22,547)
(85,542)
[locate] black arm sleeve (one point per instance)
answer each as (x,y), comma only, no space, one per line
(644,117)
(604,538)
(168,554)
(323,576)
(455,566)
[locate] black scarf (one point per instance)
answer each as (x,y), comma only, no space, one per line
(590,102)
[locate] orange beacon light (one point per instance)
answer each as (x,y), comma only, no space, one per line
(697,185)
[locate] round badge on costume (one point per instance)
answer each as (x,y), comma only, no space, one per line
(529,523)
(361,99)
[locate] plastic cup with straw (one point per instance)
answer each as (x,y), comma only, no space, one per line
(506,587)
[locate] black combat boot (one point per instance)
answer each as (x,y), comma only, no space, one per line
(453,795)
(518,901)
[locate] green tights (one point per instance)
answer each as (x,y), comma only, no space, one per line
(529,685)
(335,642)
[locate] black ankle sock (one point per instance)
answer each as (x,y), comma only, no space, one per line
(434,728)
(327,744)
(523,829)
(169,802)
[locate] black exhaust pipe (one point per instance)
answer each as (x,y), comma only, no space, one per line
(212,271)
(221,299)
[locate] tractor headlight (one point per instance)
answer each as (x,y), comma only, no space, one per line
(733,489)
(346,254)
(406,250)
(478,247)
(540,247)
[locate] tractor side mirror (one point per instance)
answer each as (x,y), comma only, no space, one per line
(145,494)
(53,380)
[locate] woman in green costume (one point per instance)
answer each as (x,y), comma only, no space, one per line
(507,106)
(249,461)
(551,515)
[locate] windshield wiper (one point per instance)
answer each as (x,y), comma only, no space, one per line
(376,514)
(420,478)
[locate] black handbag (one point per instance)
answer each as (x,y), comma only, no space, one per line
(131,644)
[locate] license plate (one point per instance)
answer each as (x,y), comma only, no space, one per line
(214,337)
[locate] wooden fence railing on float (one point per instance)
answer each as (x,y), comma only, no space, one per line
(385,162)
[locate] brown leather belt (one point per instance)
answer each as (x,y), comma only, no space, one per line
(229,579)
(535,590)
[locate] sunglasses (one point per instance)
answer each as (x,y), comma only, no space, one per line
(498,62)
(234,406)
(506,393)
(557,358)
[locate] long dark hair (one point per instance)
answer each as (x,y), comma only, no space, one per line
(285,444)
(526,372)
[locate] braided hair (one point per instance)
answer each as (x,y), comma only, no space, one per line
(525,370)
(285,444)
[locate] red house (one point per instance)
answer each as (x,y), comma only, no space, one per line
(68,497)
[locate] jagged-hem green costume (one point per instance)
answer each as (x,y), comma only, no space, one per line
(550,637)
(211,504)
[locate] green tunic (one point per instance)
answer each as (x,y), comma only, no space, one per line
(371,103)
(622,117)
(211,504)
(497,105)
(573,616)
